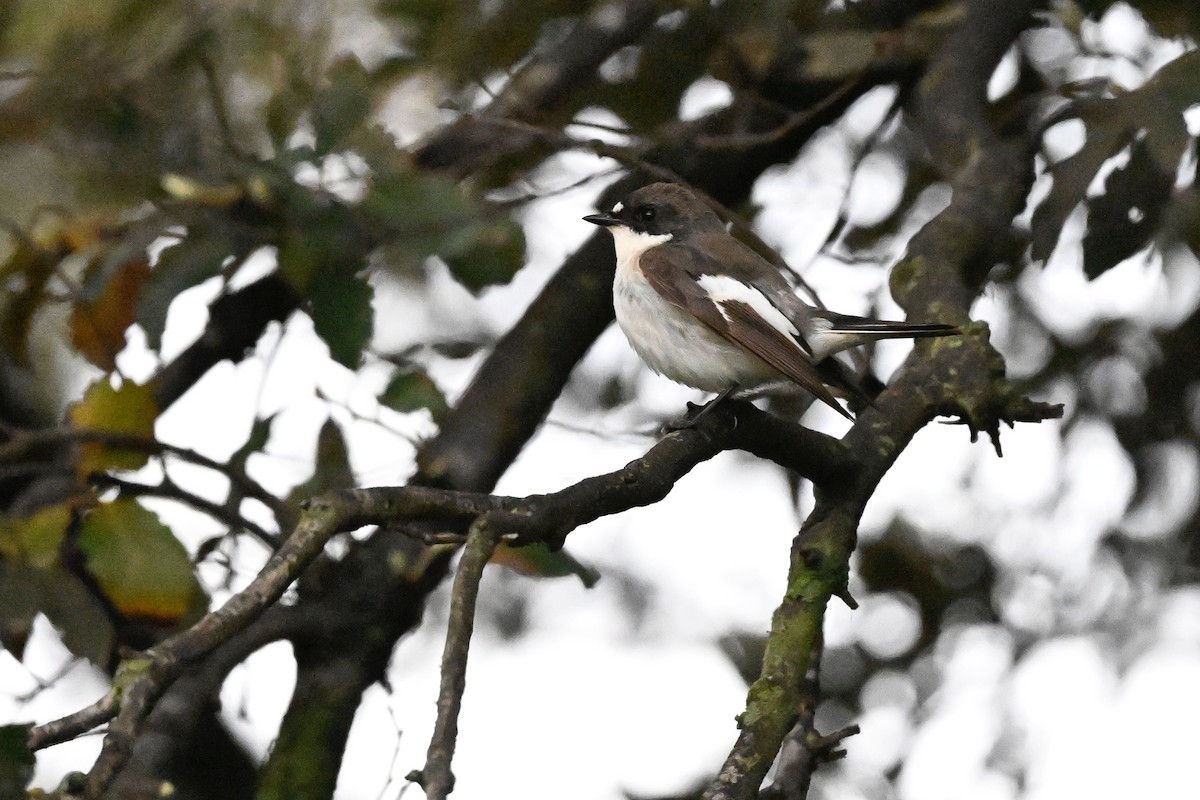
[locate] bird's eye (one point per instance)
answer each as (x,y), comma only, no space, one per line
(646,214)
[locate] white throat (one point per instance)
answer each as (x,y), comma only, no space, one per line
(630,244)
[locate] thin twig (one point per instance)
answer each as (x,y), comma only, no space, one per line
(436,777)
(26,443)
(167,489)
(42,684)
(220,110)
(795,122)
(67,728)
(534,193)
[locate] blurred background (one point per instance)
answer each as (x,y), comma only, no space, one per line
(284,238)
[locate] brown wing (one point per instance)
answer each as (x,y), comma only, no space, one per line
(673,269)
(777,349)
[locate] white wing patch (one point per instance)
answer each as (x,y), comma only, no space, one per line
(723,287)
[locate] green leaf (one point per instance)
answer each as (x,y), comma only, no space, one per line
(77,613)
(16,760)
(342,314)
(139,564)
(179,268)
(18,605)
(332,470)
(301,255)
(420,213)
(260,434)
(412,391)
(343,105)
(491,255)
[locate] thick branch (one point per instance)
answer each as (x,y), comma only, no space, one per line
(508,399)
(930,382)
(467,147)
(548,517)
(493,421)
(235,323)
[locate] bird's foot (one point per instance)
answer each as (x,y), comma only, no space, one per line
(688,420)
(695,413)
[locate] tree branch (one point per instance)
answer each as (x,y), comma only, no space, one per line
(505,403)
(931,380)
(141,680)
(236,321)
(492,422)
(27,444)
(549,517)
(436,777)
(466,147)
(168,490)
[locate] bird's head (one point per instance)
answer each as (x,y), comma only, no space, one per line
(661,209)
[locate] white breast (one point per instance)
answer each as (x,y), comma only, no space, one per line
(671,341)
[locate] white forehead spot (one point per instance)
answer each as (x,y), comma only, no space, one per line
(722,288)
(618,207)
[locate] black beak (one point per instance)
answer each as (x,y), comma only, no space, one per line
(604,220)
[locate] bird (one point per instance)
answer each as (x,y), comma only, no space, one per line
(705,310)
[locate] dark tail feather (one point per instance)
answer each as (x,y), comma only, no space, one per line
(896,330)
(838,375)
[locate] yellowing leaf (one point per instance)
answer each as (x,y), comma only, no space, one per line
(184,188)
(98,325)
(35,268)
(33,580)
(538,561)
(35,540)
(128,410)
(138,563)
